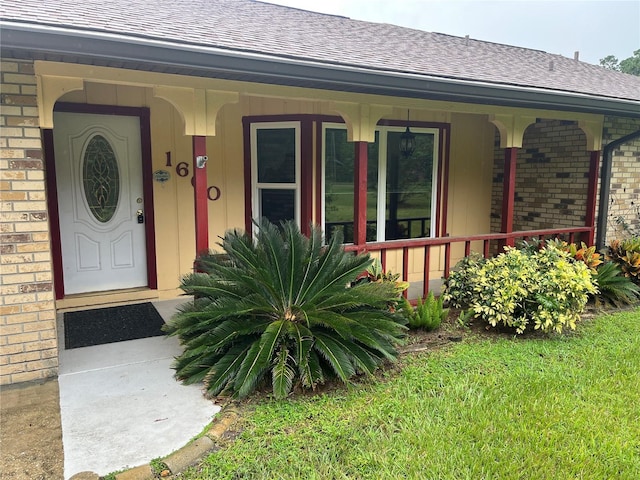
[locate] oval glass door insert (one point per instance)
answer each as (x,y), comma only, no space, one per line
(101,178)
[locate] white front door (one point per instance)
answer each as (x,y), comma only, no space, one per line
(100,200)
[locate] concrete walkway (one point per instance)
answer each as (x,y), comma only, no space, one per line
(121,407)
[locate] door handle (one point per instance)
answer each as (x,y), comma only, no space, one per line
(140,215)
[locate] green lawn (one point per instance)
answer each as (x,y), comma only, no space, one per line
(340,204)
(563,407)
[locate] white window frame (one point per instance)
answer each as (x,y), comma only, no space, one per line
(256,186)
(381,207)
(325,127)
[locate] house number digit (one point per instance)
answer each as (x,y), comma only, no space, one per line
(182,169)
(168,164)
(213,193)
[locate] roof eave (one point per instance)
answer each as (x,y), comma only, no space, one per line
(143,53)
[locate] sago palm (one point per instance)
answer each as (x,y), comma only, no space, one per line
(614,286)
(280,306)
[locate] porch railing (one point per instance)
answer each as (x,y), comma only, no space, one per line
(427,244)
(408,227)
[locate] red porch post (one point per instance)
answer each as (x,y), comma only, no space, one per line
(200,193)
(508,192)
(360,194)
(306,172)
(592,191)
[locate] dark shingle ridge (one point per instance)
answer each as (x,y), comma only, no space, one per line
(470,39)
(287,32)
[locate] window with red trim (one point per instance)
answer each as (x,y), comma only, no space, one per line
(401,189)
(275,171)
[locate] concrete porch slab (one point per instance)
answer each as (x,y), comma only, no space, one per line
(121,407)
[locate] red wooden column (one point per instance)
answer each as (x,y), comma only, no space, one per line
(306,174)
(360,194)
(509,192)
(592,191)
(200,194)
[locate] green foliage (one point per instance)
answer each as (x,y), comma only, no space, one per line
(376,274)
(532,245)
(458,287)
(626,254)
(279,308)
(613,286)
(610,62)
(112,475)
(629,65)
(581,252)
(545,289)
(565,408)
(158,467)
(427,315)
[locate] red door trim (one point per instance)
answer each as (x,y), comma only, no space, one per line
(54,213)
(147,191)
(147,187)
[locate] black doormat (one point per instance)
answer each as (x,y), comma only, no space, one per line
(110,325)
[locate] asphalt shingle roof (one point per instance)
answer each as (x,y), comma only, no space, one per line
(253,26)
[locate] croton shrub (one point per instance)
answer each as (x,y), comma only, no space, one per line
(543,289)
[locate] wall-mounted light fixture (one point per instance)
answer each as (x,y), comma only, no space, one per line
(201,161)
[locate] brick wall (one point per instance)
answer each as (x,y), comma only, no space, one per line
(28,340)
(552,173)
(624,201)
(551,178)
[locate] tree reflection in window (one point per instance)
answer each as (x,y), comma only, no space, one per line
(405,192)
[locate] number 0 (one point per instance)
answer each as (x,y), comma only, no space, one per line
(213,193)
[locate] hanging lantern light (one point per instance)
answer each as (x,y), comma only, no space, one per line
(407,141)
